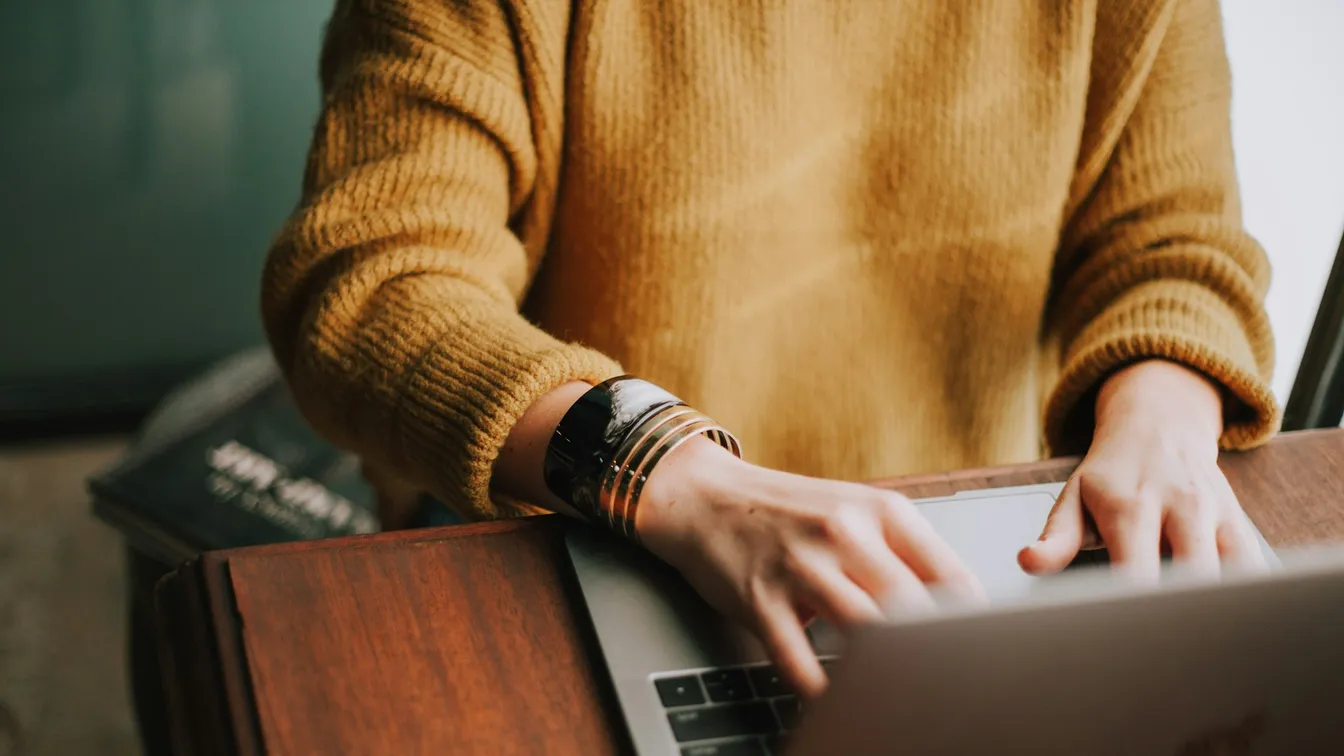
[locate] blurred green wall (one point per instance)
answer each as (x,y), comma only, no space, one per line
(149,149)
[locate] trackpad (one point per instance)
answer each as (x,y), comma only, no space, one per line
(988,532)
(988,528)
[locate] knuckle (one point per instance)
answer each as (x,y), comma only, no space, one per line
(1192,500)
(1146,501)
(1195,499)
(1182,493)
(892,505)
(1109,500)
(846,523)
(793,561)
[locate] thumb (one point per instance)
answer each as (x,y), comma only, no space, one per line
(1062,537)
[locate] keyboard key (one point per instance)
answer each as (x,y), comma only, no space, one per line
(768,683)
(679,691)
(774,745)
(788,710)
(712,722)
(727,685)
(735,748)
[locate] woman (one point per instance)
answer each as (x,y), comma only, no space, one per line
(865,238)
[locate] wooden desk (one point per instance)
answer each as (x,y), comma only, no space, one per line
(465,640)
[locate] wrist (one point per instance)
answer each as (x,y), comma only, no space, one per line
(1161,393)
(605,450)
(699,470)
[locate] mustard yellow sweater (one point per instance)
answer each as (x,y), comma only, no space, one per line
(871,237)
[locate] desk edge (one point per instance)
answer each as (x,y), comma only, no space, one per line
(199,594)
(203,691)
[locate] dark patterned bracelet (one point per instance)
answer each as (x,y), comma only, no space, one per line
(608,442)
(590,433)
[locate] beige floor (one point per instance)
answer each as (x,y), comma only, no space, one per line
(63,689)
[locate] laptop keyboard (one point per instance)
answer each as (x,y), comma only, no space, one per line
(732,711)
(746,710)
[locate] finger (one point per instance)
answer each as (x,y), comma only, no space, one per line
(1064,534)
(1132,532)
(1238,543)
(825,588)
(1236,537)
(1193,537)
(869,561)
(928,558)
(901,591)
(786,642)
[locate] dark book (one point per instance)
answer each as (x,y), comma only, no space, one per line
(227,460)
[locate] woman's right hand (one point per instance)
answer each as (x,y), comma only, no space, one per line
(769,549)
(772,549)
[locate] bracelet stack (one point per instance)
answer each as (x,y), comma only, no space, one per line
(609,442)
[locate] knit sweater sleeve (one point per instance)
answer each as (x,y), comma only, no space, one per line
(1154,262)
(391,297)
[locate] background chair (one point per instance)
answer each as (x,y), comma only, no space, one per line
(1317,398)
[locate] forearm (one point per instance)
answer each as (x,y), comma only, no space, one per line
(1155,263)
(391,297)
(518,470)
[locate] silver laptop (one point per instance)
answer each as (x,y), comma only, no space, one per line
(1231,654)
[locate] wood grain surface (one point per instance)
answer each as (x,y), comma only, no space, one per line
(469,640)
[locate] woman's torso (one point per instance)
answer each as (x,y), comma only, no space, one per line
(832,226)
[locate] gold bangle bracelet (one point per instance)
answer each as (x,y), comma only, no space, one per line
(622,485)
(714,432)
(641,465)
(624,466)
(619,468)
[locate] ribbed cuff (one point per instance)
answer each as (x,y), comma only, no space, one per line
(1178,321)
(470,389)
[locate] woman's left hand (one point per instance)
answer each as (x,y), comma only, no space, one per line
(1150,481)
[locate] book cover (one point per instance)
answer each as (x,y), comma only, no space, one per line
(229,461)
